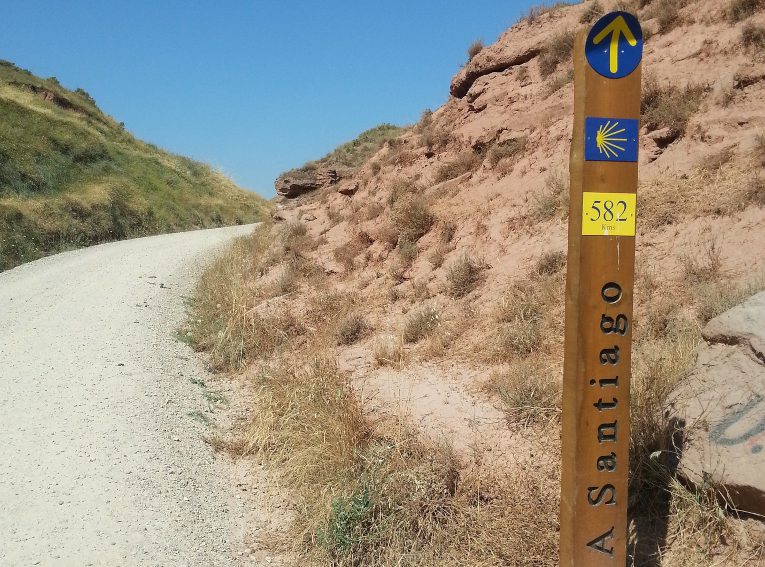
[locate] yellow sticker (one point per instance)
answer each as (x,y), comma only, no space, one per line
(608,214)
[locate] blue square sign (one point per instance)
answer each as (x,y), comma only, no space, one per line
(610,139)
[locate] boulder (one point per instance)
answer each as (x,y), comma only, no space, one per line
(304,180)
(722,407)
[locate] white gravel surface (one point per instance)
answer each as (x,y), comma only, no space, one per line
(102,461)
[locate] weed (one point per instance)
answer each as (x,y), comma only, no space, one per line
(530,391)
(667,14)
(475,48)
(389,351)
(557,51)
(446,232)
(401,187)
(510,149)
(550,263)
(522,75)
(411,218)
(420,324)
(551,201)
(200,417)
(755,191)
(741,9)
(717,160)
(436,257)
(759,147)
(535,12)
(715,299)
(593,11)
(703,269)
(753,35)
(463,276)
(352,328)
(465,162)
(669,106)
(407,251)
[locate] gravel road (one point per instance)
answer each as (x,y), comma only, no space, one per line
(102,412)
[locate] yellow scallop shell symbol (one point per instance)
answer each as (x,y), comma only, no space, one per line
(606,139)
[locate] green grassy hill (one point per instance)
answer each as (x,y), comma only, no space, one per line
(71,176)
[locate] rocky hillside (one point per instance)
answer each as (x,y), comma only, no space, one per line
(71,176)
(419,300)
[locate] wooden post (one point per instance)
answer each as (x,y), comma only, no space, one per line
(599,287)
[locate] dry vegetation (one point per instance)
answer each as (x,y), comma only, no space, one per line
(416,295)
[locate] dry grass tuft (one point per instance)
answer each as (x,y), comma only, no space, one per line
(467,161)
(347,253)
(741,9)
(551,201)
(705,268)
(511,149)
(474,49)
(389,351)
(411,218)
(421,324)
(550,263)
(667,14)
(464,275)
(753,35)
(352,328)
(530,390)
(593,12)
(669,106)
(557,51)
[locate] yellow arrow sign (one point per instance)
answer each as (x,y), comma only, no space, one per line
(616,28)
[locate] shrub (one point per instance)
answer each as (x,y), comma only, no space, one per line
(667,14)
(755,191)
(550,263)
(741,9)
(558,82)
(753,35)
(465,162)
(557,51)
(412,218)
(551,201)
(475,48)
(352,328)
(401,187)
(593,11)
(463,276)
(530,391)
(670,106)
(407,251)
(389,351)
(703,268)
(522,75)
(421,324)
(509,149)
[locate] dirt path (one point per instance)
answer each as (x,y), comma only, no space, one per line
(102,412)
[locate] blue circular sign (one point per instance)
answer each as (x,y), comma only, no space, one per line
(614,45)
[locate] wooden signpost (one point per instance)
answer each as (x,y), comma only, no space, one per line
(599,284)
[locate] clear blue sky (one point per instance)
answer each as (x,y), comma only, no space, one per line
(255,87)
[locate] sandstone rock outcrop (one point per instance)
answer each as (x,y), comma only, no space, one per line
(297,182)
(722,406)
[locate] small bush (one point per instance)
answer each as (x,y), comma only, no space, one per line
(667,14)
(465,162)
(412,218)
(551,201)
(557,51)
(509,149)
(593,11)
(434,138)
(715,161)
(475,48)
(741,9)
(352,328)
(704,268)
(670,106)
(463,276)
(388,351)
(759,147)
(517,339)
(421,324)
(407,251)
(550,263)
(755,191)
(530,390)
(522,75)
(753,35)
